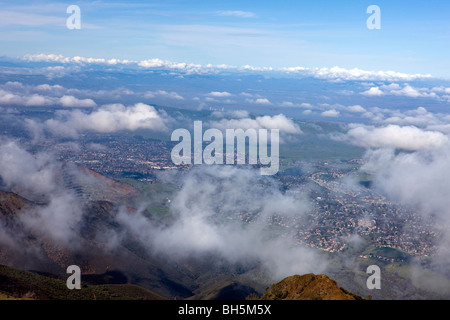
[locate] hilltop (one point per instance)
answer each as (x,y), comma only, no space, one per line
(308,287)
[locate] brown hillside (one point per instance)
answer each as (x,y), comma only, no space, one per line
(308,287)
(11,204)
(105,189)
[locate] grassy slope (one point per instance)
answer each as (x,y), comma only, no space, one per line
(15,283)
(387,252)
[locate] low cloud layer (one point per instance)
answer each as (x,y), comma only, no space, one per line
(410,165)
(407,90)
(190,68)
(107,118)
(37,178)
(14,93)
(420,179)
(227,211)
(406,137)
(223,212)
(280,122)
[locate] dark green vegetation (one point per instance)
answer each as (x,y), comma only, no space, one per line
(19,284)
(227,291)
(387,253)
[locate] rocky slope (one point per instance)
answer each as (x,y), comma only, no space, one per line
(308,287)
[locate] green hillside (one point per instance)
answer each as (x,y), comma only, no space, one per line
(19,284)
(387,252)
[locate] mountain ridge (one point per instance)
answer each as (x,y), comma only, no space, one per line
(308,287)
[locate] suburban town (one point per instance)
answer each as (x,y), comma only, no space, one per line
(341,213)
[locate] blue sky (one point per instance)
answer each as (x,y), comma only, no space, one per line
(414,35)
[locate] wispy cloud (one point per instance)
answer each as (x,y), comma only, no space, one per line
(236,13)
(164,94)
(30,19)
(219,94)
(37,16)
(260,101)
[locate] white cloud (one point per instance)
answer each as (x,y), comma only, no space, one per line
(441,89)
(37,177)
(236,13)
(40,177)
(108,118)
(218,94)
(261,101)
(19,94)
(237,114)
(287,104)
(391,87)
(37,100)
(49,88)
(356,109)
(8,98)
(77,59)
(407,137)
(210,225)
(164,94)
(333,113)
(305,105)
(14,85)
(409,91)
(419,180)
(71,101)
(209,99)
(188,68)
(373,92)
(263,122)
(396,89)
(418,117)
(355,74)
(334,73)
(295,105)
